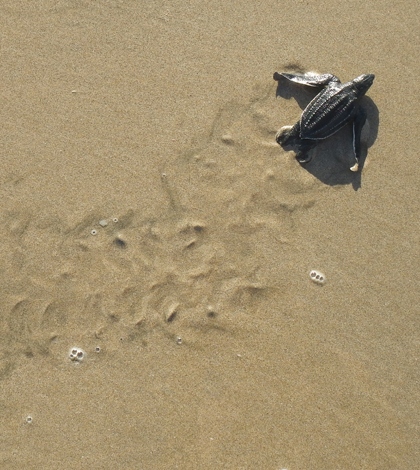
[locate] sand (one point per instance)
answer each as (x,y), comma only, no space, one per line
(206,344)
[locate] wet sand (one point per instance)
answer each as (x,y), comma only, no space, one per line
(206,344)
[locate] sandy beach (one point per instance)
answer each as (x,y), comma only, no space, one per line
(151,223)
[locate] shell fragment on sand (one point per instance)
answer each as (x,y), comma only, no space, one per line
(317,276)
(76,354)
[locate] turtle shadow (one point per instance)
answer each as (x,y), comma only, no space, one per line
(333,157)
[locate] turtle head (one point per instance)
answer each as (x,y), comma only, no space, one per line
(363,83)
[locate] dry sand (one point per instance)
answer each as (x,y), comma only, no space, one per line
(215,349)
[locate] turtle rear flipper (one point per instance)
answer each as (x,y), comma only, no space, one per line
(289,136)
(309,78)
(302,150)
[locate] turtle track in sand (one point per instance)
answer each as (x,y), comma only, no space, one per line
(201,267)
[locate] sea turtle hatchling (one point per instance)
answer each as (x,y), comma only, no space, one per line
(330,110)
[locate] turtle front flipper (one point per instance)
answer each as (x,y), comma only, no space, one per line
(358,123)
(309,78)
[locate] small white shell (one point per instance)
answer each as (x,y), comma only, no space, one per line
(76,354)
(317,276)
